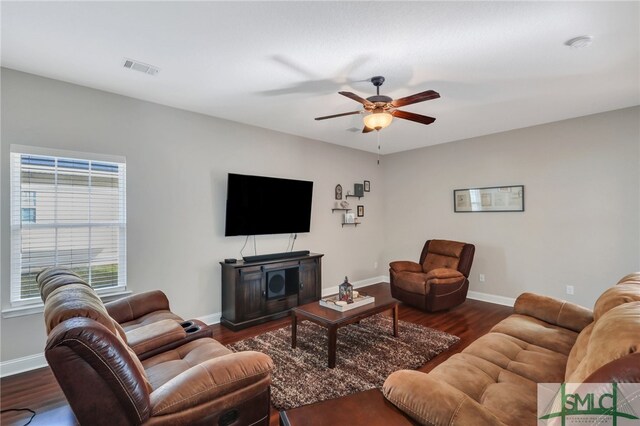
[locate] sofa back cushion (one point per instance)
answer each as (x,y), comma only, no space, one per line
(625,292)
(631,278)
(442,254)
(578,351)
(614,335)
(53,278)
(75,300)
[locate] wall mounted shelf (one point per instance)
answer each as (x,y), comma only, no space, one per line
(342,210)
(354,196)
(354,224)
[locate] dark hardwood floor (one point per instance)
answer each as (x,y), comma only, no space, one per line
(39,391)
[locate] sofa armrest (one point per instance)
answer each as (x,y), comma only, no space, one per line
(405,266)
(622,370)
(134,306)
(432,402)
(210,380)
(553,311)
(155,335)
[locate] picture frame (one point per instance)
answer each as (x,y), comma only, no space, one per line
(360,211)
(367,186)
(489,199)
(358,190)
(338,192)
(349,218)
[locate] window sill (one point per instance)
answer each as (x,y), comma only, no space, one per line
(38,308)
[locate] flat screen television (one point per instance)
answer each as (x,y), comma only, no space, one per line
(258,205)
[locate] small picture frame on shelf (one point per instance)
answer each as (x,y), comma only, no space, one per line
(360,211)
(349,218)
(358,189)
(367,186)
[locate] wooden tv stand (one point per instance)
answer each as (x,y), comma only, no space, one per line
(257,292)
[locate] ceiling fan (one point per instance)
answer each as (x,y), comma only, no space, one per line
(380,109)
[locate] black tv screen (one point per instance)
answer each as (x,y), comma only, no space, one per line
(258,205)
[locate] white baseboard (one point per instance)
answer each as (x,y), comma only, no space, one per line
(20,365)
(356,284)
(211,318)
(491,298)
(32,362)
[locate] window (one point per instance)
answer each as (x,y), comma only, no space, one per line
(28,215)
(66,211)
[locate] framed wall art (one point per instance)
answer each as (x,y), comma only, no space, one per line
(490,199)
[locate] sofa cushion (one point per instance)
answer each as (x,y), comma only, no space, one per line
(633,278)
(578,351)
(516,356)
(444,276)
(51,279)
(163,367)
(75,300)
(443,254)
(614,335)
(498,367)
(626,292)
(537,332)
(413,282)
(150,318)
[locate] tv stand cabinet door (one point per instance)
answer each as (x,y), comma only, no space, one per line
(309,287)
(250,294)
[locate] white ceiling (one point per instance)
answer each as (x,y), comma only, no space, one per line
(277,65)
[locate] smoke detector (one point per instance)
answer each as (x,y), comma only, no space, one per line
(140,66)
(579,42)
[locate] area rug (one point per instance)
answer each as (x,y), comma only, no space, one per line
(367,354)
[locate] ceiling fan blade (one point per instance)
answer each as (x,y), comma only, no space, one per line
(366,129)
(414,99)
(356,98)
(413,117)
(338,115)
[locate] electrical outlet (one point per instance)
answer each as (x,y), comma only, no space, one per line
(569,289)
(375,265)
(481,278)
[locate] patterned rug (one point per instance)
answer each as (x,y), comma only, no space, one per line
(367,354)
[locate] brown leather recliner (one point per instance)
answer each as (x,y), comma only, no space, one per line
(439,281)
(146,318)
(105,383)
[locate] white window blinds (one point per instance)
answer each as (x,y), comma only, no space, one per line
(66,212)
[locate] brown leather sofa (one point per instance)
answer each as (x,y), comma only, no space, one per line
(105,383)
(494,380)
(146,318)
(438,281)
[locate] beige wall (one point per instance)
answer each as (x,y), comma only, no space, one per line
(581,224)
(177,165)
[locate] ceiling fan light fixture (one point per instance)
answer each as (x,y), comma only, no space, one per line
(378,120)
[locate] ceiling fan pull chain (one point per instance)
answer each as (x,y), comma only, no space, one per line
(378,133)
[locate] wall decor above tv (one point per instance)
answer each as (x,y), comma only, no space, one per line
(259,205)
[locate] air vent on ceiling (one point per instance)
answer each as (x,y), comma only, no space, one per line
(140,66)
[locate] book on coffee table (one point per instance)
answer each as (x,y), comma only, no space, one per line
(361,300)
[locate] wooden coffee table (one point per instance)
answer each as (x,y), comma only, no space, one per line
(332,319)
